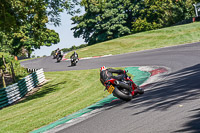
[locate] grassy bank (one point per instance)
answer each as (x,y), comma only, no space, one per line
(170,36)
(65,93)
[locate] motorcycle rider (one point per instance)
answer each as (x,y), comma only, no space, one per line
(74,59)
(55,53)
(107,73)
(59,53)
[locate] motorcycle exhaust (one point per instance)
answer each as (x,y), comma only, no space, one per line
(123,85)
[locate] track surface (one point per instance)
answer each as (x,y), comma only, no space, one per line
(170,106)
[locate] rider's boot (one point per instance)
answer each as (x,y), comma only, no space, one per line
(139,90)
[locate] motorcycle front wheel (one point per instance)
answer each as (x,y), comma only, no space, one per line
(122,95)
(58,59)
(73,64)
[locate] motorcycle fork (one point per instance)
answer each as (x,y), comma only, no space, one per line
(134,87)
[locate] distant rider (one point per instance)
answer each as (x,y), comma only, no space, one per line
(60,53)
(107,73)
(56,51)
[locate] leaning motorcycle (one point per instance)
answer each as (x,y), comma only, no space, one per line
(122,89)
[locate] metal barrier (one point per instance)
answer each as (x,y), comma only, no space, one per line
(197,9)
(30,70)
(18,90)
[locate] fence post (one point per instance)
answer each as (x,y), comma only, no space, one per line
(3,80)
(13,72)
(4,63)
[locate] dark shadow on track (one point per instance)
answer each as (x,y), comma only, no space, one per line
(70,66)
(57,61)
(193,125)
(179,87)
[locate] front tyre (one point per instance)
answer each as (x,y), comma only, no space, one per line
(58,60)
(121,95)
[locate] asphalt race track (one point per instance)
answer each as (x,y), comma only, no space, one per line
(169,106)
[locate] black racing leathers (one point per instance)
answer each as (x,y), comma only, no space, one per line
(74,56)
(108,73)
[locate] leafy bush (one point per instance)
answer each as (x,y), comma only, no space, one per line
(74,47)
(8,58)
(142,25)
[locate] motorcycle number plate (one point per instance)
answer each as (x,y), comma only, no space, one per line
(111,89)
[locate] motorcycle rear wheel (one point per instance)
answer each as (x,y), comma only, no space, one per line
(119,94)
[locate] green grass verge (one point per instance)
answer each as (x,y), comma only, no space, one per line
(170,36)
(65,93)
(26,59)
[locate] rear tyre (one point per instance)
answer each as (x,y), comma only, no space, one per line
(121,95)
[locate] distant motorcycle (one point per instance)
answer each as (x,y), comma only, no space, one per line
(122,89)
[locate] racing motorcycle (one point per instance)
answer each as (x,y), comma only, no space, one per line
(74,61)
(123,89)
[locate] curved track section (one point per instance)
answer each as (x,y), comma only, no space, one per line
(176,57)
(171,105)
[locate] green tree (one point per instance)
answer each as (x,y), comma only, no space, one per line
(23,23)
(105,19)
(29,40)
(15,13)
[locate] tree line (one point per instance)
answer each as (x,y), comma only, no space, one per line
(71,48)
